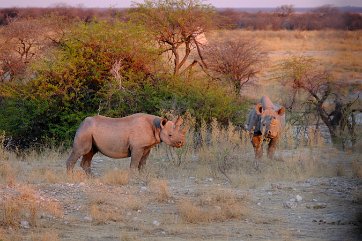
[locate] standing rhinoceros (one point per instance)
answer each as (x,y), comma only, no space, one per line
(265,121)
(132,136)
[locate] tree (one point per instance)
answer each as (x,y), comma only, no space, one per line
(24,41)
(175,25)
(330,101)
(284,10)
(8,15)
(21,42)
(72,81)
(236,61)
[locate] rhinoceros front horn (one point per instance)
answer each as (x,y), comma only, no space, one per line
(185,129)
(178,122)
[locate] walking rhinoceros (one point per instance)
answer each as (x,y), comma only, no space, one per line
(265,121)
(132,136)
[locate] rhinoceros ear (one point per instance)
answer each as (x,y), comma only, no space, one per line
(259,108)
(281,111)
(163,122)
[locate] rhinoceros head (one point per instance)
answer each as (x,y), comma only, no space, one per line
(171,132)
(271,123)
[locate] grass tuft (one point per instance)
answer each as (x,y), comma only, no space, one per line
(116,177)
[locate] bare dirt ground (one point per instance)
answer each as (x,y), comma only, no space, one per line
(178,206)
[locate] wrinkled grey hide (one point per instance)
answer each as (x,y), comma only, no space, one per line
(132,136)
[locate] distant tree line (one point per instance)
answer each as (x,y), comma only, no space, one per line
(283,17)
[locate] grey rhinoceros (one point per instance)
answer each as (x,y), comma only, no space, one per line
(131,136)
(265,121)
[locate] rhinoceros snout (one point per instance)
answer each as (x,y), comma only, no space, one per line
(179,143)
(270,134)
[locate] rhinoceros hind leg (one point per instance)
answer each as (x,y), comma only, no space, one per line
(87,161)
(72,159)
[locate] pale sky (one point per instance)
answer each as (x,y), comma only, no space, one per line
(216,3)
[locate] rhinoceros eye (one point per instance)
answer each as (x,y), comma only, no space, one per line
(169,135)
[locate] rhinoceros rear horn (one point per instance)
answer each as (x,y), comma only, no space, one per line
(259,108)
(178,122)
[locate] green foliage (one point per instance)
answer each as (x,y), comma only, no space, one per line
(75,80)
(201,98)
(67,83)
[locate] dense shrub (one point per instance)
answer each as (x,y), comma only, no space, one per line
(201,98)
(75,80)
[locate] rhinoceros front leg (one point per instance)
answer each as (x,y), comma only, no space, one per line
(272,147)
(257,142)
(143,160)
(136,156)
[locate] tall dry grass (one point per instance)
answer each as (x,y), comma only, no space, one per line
(214,205)
(24,204)
(160,188)
(116,177)
(226,153)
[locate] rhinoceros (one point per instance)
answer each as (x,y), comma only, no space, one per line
(265,121)
(131,136)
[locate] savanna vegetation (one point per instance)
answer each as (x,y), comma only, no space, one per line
(64,64)
(181,57)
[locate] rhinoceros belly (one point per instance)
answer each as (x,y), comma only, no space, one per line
(112,145)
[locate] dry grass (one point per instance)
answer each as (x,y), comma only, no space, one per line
(8,173)
(357,168)
(112,206)
(104,208)
(340,170)
(46,236)
(6,235)
(299,41)
(228,154)
(77,176)
(116,177)
(160,188)
(101,215)
(128,237)
(23,203)
(213,206)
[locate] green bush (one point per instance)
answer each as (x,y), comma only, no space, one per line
(200,97)
(74,81)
